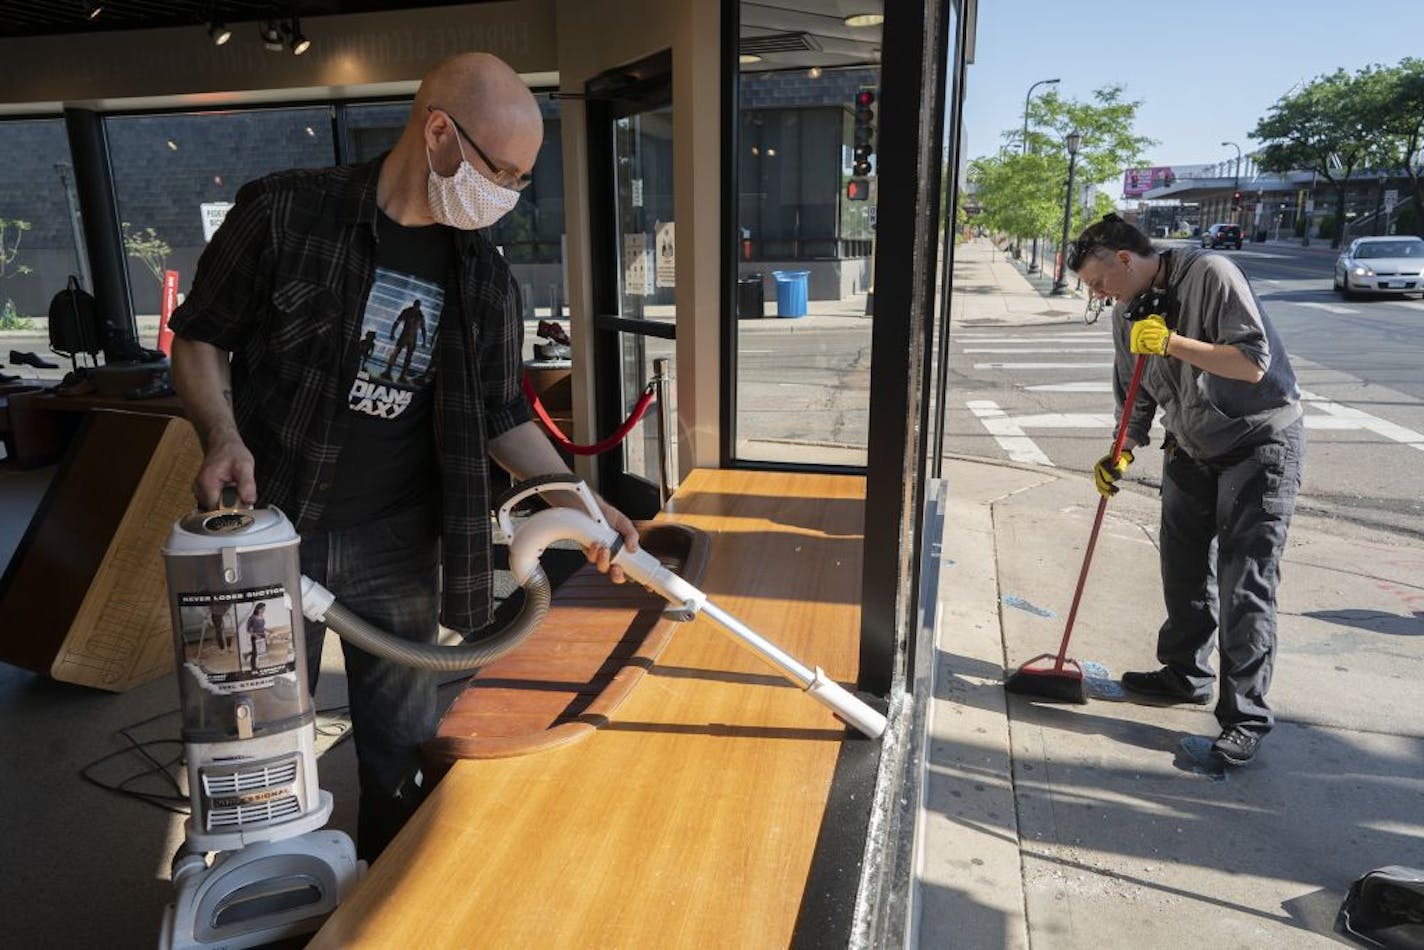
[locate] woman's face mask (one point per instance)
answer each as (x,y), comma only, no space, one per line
(466,200)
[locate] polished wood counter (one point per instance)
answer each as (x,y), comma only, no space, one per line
(692,817)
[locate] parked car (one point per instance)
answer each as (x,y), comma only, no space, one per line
(1222,235)
(1381,265)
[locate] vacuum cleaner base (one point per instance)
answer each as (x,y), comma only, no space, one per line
(264,892)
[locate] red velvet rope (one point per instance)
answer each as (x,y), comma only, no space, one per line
(561,440)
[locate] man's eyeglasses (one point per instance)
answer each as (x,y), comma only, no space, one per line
(511,178)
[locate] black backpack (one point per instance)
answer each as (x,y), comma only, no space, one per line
(1385,908)
(74,322)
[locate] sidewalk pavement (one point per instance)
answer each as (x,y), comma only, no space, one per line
(1095,826)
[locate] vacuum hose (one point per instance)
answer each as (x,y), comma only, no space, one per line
(319,606)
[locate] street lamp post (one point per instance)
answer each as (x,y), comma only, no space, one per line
(1060,283)
(1235,180)
(1023,150)
(1023,143)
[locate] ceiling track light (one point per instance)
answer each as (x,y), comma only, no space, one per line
(271,34)
(218,32)
(92,8)
(299,43)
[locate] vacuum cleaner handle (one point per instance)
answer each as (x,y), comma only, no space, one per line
(544,485)
(555,524)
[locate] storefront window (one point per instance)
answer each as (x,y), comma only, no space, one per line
(805,240)
(38,220)
(176,175)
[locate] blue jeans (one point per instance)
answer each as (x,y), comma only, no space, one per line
(1224,523)
(386,572)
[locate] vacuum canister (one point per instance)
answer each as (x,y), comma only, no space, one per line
(234,584)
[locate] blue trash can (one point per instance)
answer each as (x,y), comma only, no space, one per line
(791,292)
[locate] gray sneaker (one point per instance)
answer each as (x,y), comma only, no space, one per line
(1236,746)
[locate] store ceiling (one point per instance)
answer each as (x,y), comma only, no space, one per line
(786,34)
(50,17)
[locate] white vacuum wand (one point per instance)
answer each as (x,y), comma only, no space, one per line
(589,527)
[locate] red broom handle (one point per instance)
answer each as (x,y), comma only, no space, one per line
(1102,507)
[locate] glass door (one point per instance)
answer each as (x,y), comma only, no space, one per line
(630,121)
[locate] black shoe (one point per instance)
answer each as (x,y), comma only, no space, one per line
(1163,685)
(554,331)
(30,359)
(1235,746)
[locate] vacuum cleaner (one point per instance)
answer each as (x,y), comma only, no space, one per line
(256,864)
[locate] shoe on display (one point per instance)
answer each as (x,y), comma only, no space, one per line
(1163,685)
(76,383)
(553,330)
(157,386)
(1236,746)
(30,359)
(552,352)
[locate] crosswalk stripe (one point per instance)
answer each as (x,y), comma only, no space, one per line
(1009,436)
(1328,307)
(1347,417)
(1079,338)
(1044,349)
(1085,386)
(1043,365)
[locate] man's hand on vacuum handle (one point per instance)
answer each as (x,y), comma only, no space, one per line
(524,452)
(203,381)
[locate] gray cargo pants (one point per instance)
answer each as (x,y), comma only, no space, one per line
(1224,523)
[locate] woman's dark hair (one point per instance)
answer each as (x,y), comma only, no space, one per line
(1110,234)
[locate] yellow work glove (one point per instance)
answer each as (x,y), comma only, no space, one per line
(1149,336)
(1107,472)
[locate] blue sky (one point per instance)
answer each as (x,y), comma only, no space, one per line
(1204,71)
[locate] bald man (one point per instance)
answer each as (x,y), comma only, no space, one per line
(385,479)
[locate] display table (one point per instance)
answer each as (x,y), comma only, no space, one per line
(42,422)
(84,599)
(691,817)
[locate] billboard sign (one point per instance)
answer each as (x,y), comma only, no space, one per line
(1138,181)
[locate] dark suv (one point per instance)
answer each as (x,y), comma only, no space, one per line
(1222,235)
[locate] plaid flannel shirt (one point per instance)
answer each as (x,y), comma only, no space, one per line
(282,288)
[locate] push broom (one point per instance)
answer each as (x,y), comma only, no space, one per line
(1061,680)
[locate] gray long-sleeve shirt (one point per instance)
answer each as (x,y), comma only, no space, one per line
(1209,415)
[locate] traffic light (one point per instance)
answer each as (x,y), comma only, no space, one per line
(858,189)
(864,137)
(1235,201)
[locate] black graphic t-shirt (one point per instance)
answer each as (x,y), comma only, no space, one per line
(388,461)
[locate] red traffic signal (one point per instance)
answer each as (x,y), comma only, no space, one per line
(858,189)
(1236,199)
(864,98)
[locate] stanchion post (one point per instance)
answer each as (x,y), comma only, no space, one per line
(667,471)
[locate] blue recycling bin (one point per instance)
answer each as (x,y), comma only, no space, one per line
(791,292)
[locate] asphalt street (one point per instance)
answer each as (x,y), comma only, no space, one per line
(1039,393)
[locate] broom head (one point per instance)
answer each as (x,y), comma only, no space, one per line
(1049,678)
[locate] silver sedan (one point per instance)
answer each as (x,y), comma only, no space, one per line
(1381,265)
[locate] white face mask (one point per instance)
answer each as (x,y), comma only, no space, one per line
(466,200)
